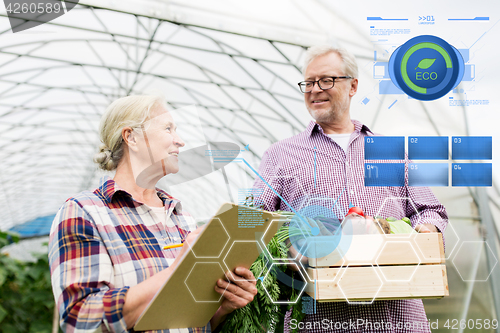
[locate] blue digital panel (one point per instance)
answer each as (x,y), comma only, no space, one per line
(471,174)
(428,147)
(385,148)
(471,148)
(384,174)
(428,174)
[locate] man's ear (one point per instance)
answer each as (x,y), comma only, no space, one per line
(130,138)
(354,87)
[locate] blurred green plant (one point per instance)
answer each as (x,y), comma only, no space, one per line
(26,299)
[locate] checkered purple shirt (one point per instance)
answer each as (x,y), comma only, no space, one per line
(312,169)
(104,242)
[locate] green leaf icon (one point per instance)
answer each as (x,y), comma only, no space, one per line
(425,63)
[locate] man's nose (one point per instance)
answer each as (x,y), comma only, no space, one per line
(316,88)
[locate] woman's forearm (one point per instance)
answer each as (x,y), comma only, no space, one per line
(218,318)
(139,296)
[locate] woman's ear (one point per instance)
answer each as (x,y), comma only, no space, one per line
(130,138)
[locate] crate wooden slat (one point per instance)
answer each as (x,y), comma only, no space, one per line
(362,283)
(386,250)
(382,267)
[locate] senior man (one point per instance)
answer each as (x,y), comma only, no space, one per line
(326,162)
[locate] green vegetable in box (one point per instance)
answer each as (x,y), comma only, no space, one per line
(401,227)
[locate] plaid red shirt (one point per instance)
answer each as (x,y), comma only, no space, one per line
(312,169)
(103,242)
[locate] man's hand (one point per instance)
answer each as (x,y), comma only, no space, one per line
(426,228)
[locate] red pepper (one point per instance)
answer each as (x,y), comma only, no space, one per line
(356,210)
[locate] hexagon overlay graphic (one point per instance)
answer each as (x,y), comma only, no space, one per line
(467,259)
(327,202)
(407,247)
(263,243)
(355,283)
(318,230)
(336,256)
(451,238)
(387,202)
(204,271)
(366,251)
(219,236)
(233,254)
(298,295)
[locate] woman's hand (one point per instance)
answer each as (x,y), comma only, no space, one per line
(188,243)
(237,292)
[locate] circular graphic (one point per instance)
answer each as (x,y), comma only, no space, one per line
(426,67)
(316,232)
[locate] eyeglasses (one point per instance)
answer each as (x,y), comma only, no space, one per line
(324,83)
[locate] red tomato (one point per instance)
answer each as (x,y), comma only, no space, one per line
(356,210)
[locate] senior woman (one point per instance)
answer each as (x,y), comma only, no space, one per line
(105,248)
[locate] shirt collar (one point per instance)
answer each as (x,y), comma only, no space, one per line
(358,127)
(109,188)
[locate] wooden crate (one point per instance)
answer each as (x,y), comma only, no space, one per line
(382,267)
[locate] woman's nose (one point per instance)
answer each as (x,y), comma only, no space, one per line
(178,141)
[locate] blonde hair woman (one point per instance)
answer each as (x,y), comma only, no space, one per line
(105,248)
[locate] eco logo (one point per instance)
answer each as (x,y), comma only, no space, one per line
(426,67)
(26,14)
